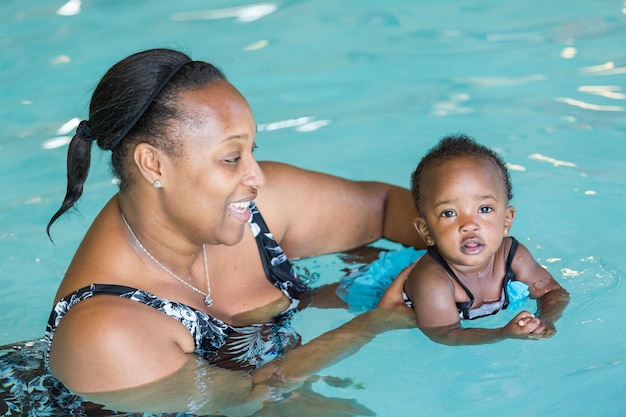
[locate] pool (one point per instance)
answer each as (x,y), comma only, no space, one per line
(361,89)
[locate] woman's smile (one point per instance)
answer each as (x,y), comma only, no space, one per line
(240,210)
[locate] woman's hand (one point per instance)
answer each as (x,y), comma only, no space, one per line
(398,315)
(392,298)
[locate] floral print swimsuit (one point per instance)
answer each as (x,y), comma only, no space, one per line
(243,348)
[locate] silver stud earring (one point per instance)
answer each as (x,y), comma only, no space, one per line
(157,184)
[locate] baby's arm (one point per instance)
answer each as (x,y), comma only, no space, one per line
(521,327)
(552,299)
(437,316)
(432,293)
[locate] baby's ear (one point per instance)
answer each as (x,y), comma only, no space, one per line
(508,219)
(422,229)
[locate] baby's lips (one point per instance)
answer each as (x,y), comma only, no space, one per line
(472,243)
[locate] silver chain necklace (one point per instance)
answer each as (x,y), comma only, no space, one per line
(207,295)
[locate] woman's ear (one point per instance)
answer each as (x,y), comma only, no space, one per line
(422,229)
(147,159)
(508,219)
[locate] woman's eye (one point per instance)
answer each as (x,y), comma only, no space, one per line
(232,160)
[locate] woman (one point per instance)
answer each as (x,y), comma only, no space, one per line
(185,270)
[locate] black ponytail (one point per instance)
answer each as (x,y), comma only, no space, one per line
(78,162)
(135,100)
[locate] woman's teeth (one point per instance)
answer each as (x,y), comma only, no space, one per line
(240,207)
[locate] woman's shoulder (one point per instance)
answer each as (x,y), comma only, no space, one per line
(105,333)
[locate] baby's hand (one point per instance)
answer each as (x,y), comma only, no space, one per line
(524,326)
(545,330)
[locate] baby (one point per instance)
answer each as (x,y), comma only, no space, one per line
(473,268)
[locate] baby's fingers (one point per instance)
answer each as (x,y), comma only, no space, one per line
(543,331)
(523,318)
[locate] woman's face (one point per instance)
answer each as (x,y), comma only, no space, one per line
(210,185)
(465,210)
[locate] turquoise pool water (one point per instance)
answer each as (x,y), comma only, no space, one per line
(361,89)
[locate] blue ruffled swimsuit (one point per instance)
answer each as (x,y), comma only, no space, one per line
(363,287)
(242,348)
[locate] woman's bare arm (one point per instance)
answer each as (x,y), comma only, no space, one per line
(312,213)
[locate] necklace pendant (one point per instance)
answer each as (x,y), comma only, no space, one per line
(208,300)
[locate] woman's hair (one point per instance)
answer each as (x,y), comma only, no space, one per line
(136,100)
(454,146)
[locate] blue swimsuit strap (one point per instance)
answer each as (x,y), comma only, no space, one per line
(464,306)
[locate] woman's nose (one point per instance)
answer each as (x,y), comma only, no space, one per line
(254,177)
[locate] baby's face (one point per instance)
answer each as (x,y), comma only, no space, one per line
(465,209)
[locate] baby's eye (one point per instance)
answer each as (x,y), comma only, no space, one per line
(485,209)
(448,213)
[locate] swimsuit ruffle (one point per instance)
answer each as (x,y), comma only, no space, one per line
(363,287)
(518,293)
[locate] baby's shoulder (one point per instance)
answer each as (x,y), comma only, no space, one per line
(427,272)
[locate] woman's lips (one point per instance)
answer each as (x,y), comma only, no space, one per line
(240,210)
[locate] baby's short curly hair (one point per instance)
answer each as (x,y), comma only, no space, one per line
(453,146)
